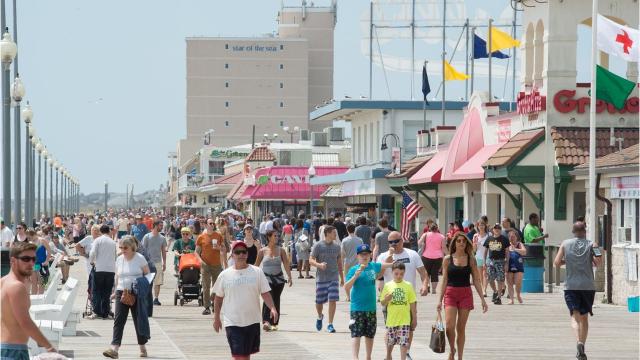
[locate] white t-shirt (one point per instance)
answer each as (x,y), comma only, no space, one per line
(6,236)
(86,244)
(412,263)
(241,290)
(122,224)
(103,254)
(129,270)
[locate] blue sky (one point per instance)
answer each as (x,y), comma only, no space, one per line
(106,79)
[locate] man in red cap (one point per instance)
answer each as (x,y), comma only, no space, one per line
(237,296)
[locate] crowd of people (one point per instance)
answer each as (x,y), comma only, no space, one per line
(242,263)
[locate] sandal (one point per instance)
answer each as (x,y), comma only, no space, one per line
(300,277)
(110,353)
(143,353)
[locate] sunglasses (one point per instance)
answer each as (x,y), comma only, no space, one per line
(186,233)
(27,258)
(123,247)
(240,252)
(19,228)
(393,242)
(210,223)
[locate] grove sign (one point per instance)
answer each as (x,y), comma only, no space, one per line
(565,103)
(282,179)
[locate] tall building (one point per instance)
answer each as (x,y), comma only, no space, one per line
(234,83)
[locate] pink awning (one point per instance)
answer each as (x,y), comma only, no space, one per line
(431,171)
(472,168)
(287,183)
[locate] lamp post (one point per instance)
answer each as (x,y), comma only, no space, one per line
(27,116)
(399,159)
(106,196)
(61,190)
(45,157)
(311,172)
(17,93)
(40,150)
(50,162)
(56,166)
(269,139)
(8,51)
(291,131)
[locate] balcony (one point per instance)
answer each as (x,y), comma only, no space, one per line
(190,183)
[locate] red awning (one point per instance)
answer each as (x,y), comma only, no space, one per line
(432,170)
(287,183)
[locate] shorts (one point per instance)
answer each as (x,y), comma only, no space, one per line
(580,300)
(398,335)
(363,323)
(327,291)
(14,352)
(458,297)
(480,262)
(433,267)
(495,270)
(159,279)
(244,340)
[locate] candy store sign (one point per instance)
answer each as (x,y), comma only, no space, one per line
(531,103)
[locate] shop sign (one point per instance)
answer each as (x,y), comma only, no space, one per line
(531,103)
(626,187)
(564,102)
(286,179)
(504,130)
(227,154)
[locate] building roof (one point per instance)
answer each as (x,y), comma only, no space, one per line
(261,153)
(572,143)
(410,167)
(514,147)
(232,178)
(346,108)
(624,157)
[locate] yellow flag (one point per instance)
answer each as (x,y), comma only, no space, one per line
(501,40)
(450,73)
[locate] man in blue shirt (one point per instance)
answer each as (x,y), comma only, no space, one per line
(139,229)
(361,283)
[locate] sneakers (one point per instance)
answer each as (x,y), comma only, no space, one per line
(581,355)
(274,327)
(206,311)
(319,323)
(495,296)
(331,329)
(156,302)
(110,353)
(92,317)
(498,301)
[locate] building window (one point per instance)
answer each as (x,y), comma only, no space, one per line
(281,85)
(226,123)
(281,66)
(281,104)
(281,123)
(226,84)
(226,104)
(226,46)
(226,65)
(628,223)
(281,47)
(216,167)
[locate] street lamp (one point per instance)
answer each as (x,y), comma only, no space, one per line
(8,51)
(396,162)
(45,157)
(106,195)
(290,131)
(311,172)
(50,162)
(269,139)
(17,93)
(30,187)
(56,166)
(40,150)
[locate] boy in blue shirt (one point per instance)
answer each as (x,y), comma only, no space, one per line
(361,283)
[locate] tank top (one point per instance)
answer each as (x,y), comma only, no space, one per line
(433,246)
(458,276)
(272,268)
(252,254)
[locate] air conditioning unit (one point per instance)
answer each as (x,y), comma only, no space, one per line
(319,139)
(335,133)
(305,135)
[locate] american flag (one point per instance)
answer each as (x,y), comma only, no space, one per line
(410,209)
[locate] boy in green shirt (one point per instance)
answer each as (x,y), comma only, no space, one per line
(400,299)
(532,232)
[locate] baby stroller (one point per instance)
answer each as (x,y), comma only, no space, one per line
(189,287)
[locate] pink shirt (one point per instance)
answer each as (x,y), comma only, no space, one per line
(433,246)
(287,229)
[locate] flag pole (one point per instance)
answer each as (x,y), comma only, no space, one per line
(466,63)
(515,49)
(371,50)
(444,36)
(473,55)
(490,55)
(413,44)
(591,225)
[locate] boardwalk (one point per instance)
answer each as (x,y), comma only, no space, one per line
(539,329)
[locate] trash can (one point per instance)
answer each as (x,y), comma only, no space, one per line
(5,262)
(533,279)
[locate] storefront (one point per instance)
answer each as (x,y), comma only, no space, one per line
(282,190)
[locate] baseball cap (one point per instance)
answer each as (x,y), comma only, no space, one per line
(363,248)
(237,244)
(185,229)
(138,217)
(248,226)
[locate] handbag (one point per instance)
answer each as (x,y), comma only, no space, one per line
(437,342)
(128,298)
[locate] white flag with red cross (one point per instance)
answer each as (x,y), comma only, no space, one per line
(618,40)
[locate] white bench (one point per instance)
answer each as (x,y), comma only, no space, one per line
(51,292)
(61,309)
(52,330)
